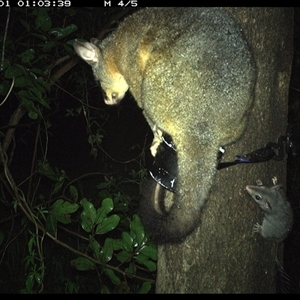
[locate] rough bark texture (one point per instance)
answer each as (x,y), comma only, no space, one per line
(223,255)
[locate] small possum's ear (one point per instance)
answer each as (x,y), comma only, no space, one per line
(276,187)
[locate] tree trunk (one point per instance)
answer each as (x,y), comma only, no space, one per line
(223,255)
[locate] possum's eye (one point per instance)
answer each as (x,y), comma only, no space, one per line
(257,197)
(114,96)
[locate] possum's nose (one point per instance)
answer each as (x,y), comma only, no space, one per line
(111,98)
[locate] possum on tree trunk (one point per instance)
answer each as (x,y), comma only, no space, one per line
(192,73)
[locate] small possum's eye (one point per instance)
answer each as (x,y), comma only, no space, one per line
(114,96)
(257,197)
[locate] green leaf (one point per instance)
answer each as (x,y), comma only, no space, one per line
(4,87)
(117,244)
(29,106)
(150,251)
(38,72)
(112,276)
(14,71)
(31,243)
(107,206)
(36,95)
(42,20)
(73,192)
(27,98)
(47,24)
(104,290)
(123,256)
(43,85)
(25,25)
(103,194)
(32,115)
(61,33)
(61,210)
(149,264)
(107,250)
(23,81)
(108,224)
(40,36)
(71,42)
(131,269)
(146,287)
(6,64)
(106,184)
(58,185)
(127,241)
(27,55)
(25,95)
(51,224)
(121,207)
(71,287)
(83,264)
(69,50)
(48,46)
(45,169)
(69,208)
(137,230)
(95,247)
(88,215)
(29,283)
(65,207)
(38,277)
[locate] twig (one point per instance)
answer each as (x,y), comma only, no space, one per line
(4,39)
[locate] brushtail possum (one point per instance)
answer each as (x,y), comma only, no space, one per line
(191,72)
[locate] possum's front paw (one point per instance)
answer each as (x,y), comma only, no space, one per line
(257,228)
(156,141)
(259,182)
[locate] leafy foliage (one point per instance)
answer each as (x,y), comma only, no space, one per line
(62,231)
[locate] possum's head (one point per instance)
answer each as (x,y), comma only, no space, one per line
(114,87)
(261,195)
(113,84)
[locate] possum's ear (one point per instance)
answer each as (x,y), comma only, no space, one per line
(89,52)
(277,187)
(95,41)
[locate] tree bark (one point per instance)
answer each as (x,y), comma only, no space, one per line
(223,255)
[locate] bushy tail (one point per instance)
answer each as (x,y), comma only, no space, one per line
(195,179)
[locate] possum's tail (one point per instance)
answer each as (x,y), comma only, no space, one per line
(196,172)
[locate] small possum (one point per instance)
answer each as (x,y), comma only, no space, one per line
(276,225)
(278,217)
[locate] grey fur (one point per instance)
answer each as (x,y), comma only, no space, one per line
(192,73)
(278,214)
